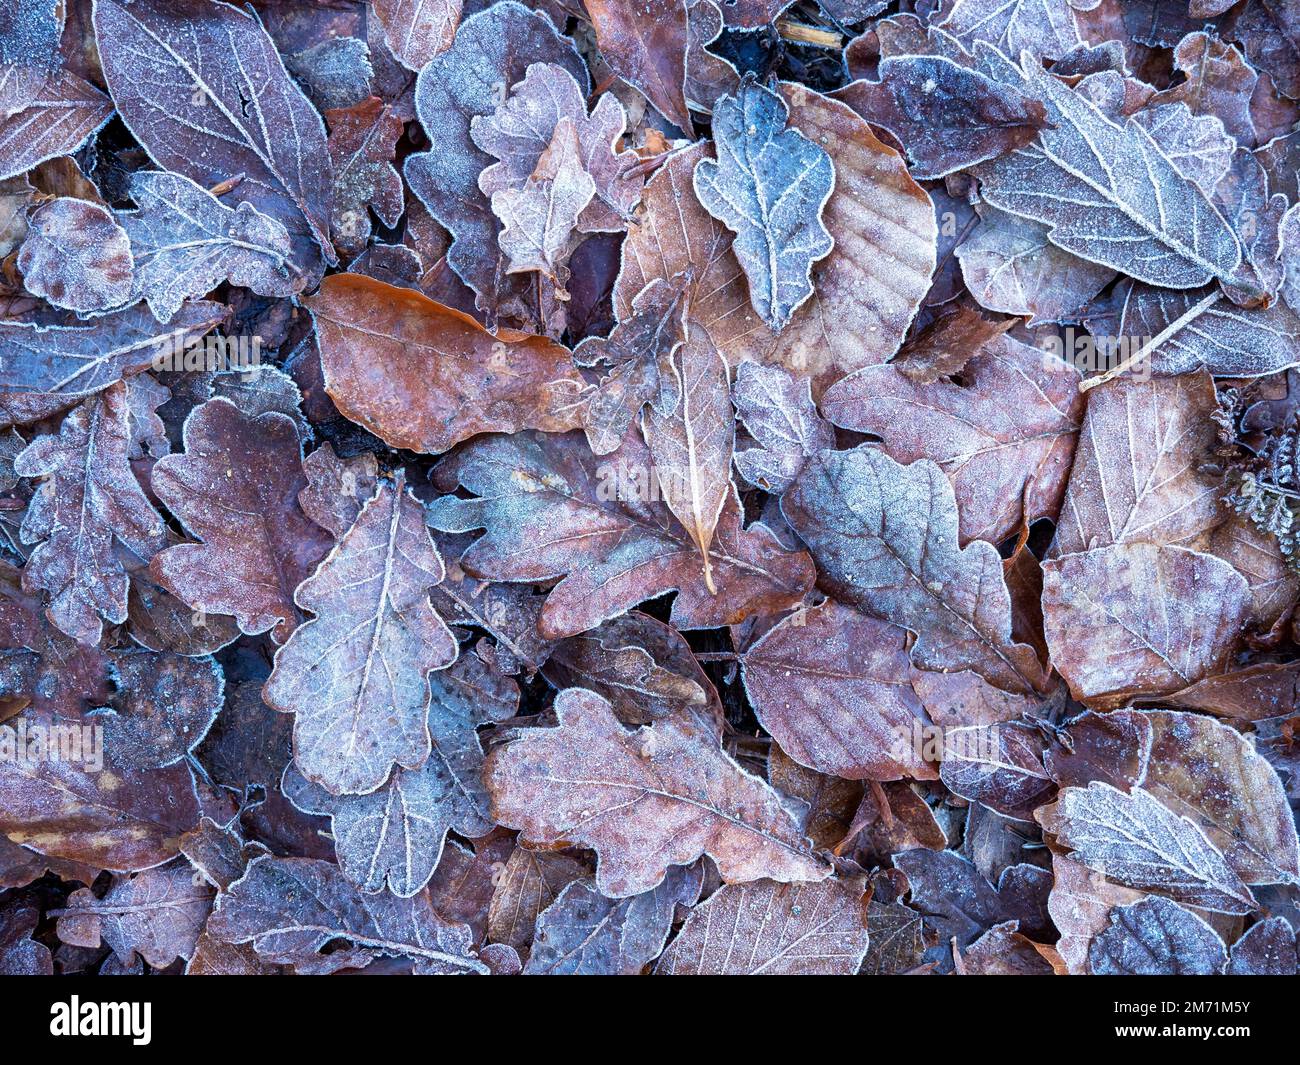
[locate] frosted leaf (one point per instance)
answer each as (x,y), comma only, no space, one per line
(551,509)
(946,116)
(186,242)
(76,256)
(47,369)
(1265,949)
(184,76)
(582,933)
(645,45)
(92,505)
(1046,28)
(643,800)
(832,687)
(362,142)
(492,51)
(1109,193)
(157,914)
(393,837)
(885,540)
(1004,437)
(289,909)
(999,766)
(778,412)
(691,439)
(523,127)
(1208,771)
(45,115)
(865,292)
(1138,841)
(235,488)
(1137,472)
(769,186)
(1009,265)
(539,220)
(1221,338)
(356,676)
(1156,937)
(772,929)
(1166,617)
(418,30)
(638,353)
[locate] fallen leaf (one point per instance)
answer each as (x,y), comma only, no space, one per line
(662,795)
(769,186)
(551,511)
(884,537)
(76,256)
(767,928)
(356,675)
(235,488)
(434,376)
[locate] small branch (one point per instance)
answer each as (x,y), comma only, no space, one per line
(804,34)
(1173,327)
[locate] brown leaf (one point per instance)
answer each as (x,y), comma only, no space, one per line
(76,256)
(1164,618)
(772,929)
(356,675)
(865,292)
(529,883)
(691,441)
(112,818)
(832,687)
(235,488)
(1004,436)
(362,142)
(644,668)
(644,800)
(885,540)
(1137,475)
(432,376)
(418,30)
(551,511)
(646,47)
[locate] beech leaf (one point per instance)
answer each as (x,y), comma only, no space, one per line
(433,376)
(766,928)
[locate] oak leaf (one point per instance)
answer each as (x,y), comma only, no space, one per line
(643,800)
